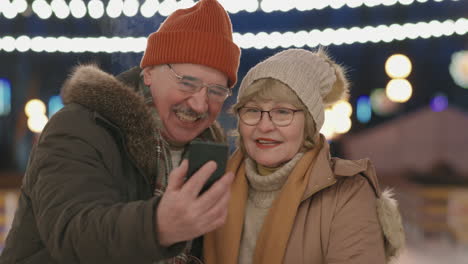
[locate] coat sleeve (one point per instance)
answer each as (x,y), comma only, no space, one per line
(78,206)
(355,235)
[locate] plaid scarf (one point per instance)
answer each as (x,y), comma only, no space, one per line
(164,167)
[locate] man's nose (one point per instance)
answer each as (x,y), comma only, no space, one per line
(199,101)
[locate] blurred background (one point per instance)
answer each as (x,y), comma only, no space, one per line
(407,61)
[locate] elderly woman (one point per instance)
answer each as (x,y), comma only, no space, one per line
(291,202)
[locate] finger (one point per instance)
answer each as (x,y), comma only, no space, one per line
(198,179)
(177,175)
(217,214)
(213,195)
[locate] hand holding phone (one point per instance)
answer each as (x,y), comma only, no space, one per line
(200,152)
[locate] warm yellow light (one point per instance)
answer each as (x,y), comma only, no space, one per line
(399,90)
(337,120)
(35,107)
(37,122)
(398,66)
(328,128)
(459,68)
(343,125)
(343,108)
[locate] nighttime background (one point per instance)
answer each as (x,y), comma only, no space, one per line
(39,75)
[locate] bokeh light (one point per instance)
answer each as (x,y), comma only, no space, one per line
(248,40)
(399,90)
(328,127)
(398,66)
(149,8)
(60,8)
(23,43)
(380,103)
(34,107)
(5,97)
(343,125)
(114,8)
(36,123)
(95,9)
(20,5)
(55,104)
(343,108)
(42,9)
(459,68)
(130,7)
(439,102)
(363,109)
(337,119)
(77,8)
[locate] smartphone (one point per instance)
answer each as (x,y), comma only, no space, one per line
(200,152)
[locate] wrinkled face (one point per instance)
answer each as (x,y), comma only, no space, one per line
(184,115)
(268,144)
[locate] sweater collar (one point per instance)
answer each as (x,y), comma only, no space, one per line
(273,181)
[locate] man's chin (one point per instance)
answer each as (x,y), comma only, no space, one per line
(183,136)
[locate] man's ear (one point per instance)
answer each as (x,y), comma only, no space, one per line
(147,75)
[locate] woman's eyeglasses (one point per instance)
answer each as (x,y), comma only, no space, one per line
(279,116)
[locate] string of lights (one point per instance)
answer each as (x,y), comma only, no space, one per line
(262,40)
(96,9)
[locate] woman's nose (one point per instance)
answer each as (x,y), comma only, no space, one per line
(265,123)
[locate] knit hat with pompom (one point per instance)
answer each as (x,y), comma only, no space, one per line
(316,79)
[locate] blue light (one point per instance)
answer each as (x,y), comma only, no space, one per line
(5,97)
(55,104)
(363,109)
(439,103)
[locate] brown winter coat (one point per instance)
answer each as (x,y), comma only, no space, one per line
(87,196)
(336,221)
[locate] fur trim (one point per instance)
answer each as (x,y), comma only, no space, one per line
(390,220)
(103,93)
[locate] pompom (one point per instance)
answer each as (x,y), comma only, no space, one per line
(340,89)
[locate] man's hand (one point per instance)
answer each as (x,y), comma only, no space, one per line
(182,215)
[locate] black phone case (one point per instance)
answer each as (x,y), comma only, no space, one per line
(200,152)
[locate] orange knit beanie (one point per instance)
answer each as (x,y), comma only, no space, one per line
(201,34)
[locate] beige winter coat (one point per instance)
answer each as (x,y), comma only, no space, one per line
(343,217)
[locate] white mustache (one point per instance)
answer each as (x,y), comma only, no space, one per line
(189,112)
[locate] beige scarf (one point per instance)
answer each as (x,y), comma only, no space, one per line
(222,245)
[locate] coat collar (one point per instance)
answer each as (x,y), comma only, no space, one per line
(321,173)
(119,104)
(328,170)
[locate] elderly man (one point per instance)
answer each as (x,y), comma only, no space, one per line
(104,184)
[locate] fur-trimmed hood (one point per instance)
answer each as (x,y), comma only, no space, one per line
(116,100)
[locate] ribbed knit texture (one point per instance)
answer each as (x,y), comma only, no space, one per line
(311,75)
(262,192)
(201,34)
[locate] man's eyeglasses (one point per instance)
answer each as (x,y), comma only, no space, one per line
(279,116)
(191,84)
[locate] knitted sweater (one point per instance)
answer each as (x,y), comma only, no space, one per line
(262,192)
